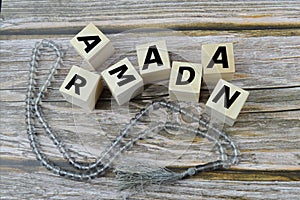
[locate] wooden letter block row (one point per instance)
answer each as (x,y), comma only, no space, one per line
(83,88)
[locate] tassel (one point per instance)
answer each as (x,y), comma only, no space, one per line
(139,176)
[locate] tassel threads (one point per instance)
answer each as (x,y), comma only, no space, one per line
(138,177)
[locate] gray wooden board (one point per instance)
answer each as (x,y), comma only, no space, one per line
(43,17)
(266,39)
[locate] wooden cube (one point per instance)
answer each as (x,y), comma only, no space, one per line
(154,62)
(123,81)
(93,45)
(185,81)
(82,88)
(217,62)
(226,102)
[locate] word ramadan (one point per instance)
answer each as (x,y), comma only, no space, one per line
(83,88)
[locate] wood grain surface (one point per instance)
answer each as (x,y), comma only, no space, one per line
(266,37)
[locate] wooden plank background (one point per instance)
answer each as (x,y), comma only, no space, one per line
(266,37)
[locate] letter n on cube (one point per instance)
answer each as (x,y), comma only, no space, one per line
(226,102)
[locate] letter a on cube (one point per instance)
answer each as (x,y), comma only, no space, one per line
(217,62)
(226,102)
(123,81)
(185,81)
(154,63)
(82,88)
(93,45)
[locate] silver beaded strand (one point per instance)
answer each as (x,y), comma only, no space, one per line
(85,171)
(90,170)
(136,177)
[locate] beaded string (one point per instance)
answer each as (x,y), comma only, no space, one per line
(85,171)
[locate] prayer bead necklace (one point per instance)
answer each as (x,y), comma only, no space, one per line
(86,171)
